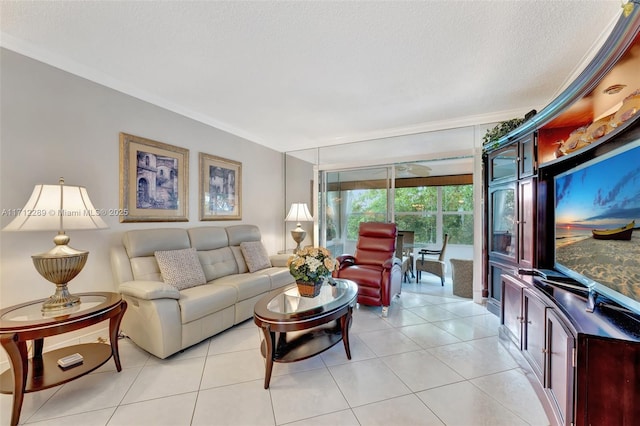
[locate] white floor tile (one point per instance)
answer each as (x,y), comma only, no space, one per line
(91,418)
(464,330)
(368,318)
(402,317)
(465,309)
(388,342)
(420,370)
(342,418)
(221,406)
(31,403)
(235,340)
(364,382)
(402,411)
(313,363)
(411,300)
(88,393)
(428,335)
(513,390)
(168,411)
(464,404)
(231,368)
(433,313)
(304,395)
(134,356)
(337,355)
(470,362)
(199,350)
(168,378)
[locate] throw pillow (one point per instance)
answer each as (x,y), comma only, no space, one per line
(255,255)
(180,268)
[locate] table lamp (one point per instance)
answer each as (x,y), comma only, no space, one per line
(58,208)
(299,212)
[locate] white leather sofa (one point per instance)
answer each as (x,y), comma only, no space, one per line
(164,320)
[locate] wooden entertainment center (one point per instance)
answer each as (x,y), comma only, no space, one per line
(586,364)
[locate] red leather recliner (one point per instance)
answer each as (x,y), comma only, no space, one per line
(374,266)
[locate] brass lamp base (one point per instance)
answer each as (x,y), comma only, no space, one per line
(61,299)
(59,266)
(298,236)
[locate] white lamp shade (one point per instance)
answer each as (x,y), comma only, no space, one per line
(57,207)
(299,212)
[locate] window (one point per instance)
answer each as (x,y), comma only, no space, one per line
(457,213)
(416,209)
(420,209)
(430,206)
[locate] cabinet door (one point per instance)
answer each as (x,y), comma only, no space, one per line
(503,164)
(496,269)
(527,159)
(526,220)
(502,223)
(560,368)
(533,334)
(511,316)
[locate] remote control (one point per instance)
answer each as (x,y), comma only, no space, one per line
(70,360)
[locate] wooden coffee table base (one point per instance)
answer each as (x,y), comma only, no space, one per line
(299,344)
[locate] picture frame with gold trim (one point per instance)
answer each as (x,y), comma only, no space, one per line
(154,181)
(220,188)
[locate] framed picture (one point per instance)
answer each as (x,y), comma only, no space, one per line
(220,188)
(154,181)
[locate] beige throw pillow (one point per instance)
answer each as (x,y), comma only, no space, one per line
(255,255)
(180,268)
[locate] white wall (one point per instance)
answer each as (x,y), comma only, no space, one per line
(56,124)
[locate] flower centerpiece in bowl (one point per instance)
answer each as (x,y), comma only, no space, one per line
(310,267)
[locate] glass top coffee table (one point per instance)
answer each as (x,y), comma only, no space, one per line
(296,328)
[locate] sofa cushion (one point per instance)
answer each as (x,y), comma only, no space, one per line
(180,268)
(208,238)
(240,233)
(246,285)
(203,300)
(255,255)
(145,268)
(218,263)
(278,276)
(144,242)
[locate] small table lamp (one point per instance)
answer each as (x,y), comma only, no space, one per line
(299,212)
(58,208)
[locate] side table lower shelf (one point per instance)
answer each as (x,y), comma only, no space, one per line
(45,373)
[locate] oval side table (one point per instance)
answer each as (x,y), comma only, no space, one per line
(22,323)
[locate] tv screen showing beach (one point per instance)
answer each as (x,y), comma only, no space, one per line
(597,217)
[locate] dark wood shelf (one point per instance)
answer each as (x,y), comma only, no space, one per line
(45,373)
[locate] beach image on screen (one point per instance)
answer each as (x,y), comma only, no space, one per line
(597,220)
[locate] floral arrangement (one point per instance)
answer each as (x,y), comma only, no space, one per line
(311,263)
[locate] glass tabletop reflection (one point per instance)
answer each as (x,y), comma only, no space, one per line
(290,301)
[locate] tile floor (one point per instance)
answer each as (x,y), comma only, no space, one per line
(435,360)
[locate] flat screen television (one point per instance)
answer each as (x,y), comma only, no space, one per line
(597,225)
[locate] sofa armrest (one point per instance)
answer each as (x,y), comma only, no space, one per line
(280,259)
(120,265)
(149,290)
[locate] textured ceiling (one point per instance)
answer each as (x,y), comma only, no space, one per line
(292,75)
